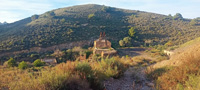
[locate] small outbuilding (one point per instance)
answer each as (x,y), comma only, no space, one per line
(49,61)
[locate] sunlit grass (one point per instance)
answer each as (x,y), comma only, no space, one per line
(73,74)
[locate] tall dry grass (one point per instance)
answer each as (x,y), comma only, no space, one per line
(185,73)
(73,75)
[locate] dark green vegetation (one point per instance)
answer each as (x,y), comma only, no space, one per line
(23,65)
(3,23)
(11,62)
(38,63)
(84,22)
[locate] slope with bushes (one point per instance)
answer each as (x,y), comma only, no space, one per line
(85,22)
(181,72)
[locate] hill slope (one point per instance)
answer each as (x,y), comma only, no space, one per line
(84,22)
(181,71)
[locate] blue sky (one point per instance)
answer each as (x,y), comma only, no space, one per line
(14,10)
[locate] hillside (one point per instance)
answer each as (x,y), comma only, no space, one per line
(181,71)
(3,23)
(85,22)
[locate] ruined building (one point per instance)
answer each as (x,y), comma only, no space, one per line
(103,47)
(49,61)
(102,42)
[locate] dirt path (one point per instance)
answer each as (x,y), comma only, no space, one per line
(134,78)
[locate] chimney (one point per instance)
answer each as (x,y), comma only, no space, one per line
(100,35)
(104,34)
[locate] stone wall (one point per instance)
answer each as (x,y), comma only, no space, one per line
(169,53)
(105,52)
(102,44)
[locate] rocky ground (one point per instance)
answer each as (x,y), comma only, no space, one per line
(135,77)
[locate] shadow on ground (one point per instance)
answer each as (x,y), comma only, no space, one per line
(130,51)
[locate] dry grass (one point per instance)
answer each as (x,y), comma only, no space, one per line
(185,72)
(76,75)
(178,76)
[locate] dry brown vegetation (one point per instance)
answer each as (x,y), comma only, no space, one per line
(181,72)
(73,75)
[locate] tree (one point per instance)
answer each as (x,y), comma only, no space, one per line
(23,65)
(38,63)
(105,9)
(51,13)
(122,43)
(178,16)
(131,32)
(11,62)
(169,43)
(127,41)
(34,17)
(62,20)
(90,16)
(69,31)
(169,15)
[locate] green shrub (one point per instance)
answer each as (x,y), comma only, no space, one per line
(88,53)
(11,62)
(111,67)
(84,68)
(157,72)
(90,16)
(23,65)
(38,63)
(86,72)
(193,83)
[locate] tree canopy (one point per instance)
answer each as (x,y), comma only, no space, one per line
(178,16)
(11,62)
(23,65)
(127,41)
(132,32)
(121,43)
(38,63)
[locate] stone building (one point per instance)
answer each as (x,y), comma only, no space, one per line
(103,47)
(169,53)
(102,42)
(49,61)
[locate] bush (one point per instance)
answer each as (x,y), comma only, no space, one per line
(127,41)
(121,43)
(84,68)
(38,63)
(23,65)
(73,75)
(88,53)
(11,62)
(110,67)
(86,72)
(181,77)
(193,82)
(157,72)
(90,16)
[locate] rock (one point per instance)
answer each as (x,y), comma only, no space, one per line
(150,84)
(133,84)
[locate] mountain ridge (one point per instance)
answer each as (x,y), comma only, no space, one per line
(84,22)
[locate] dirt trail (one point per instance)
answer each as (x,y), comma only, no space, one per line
(134,78)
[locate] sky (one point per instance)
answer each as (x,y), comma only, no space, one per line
(14,10)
